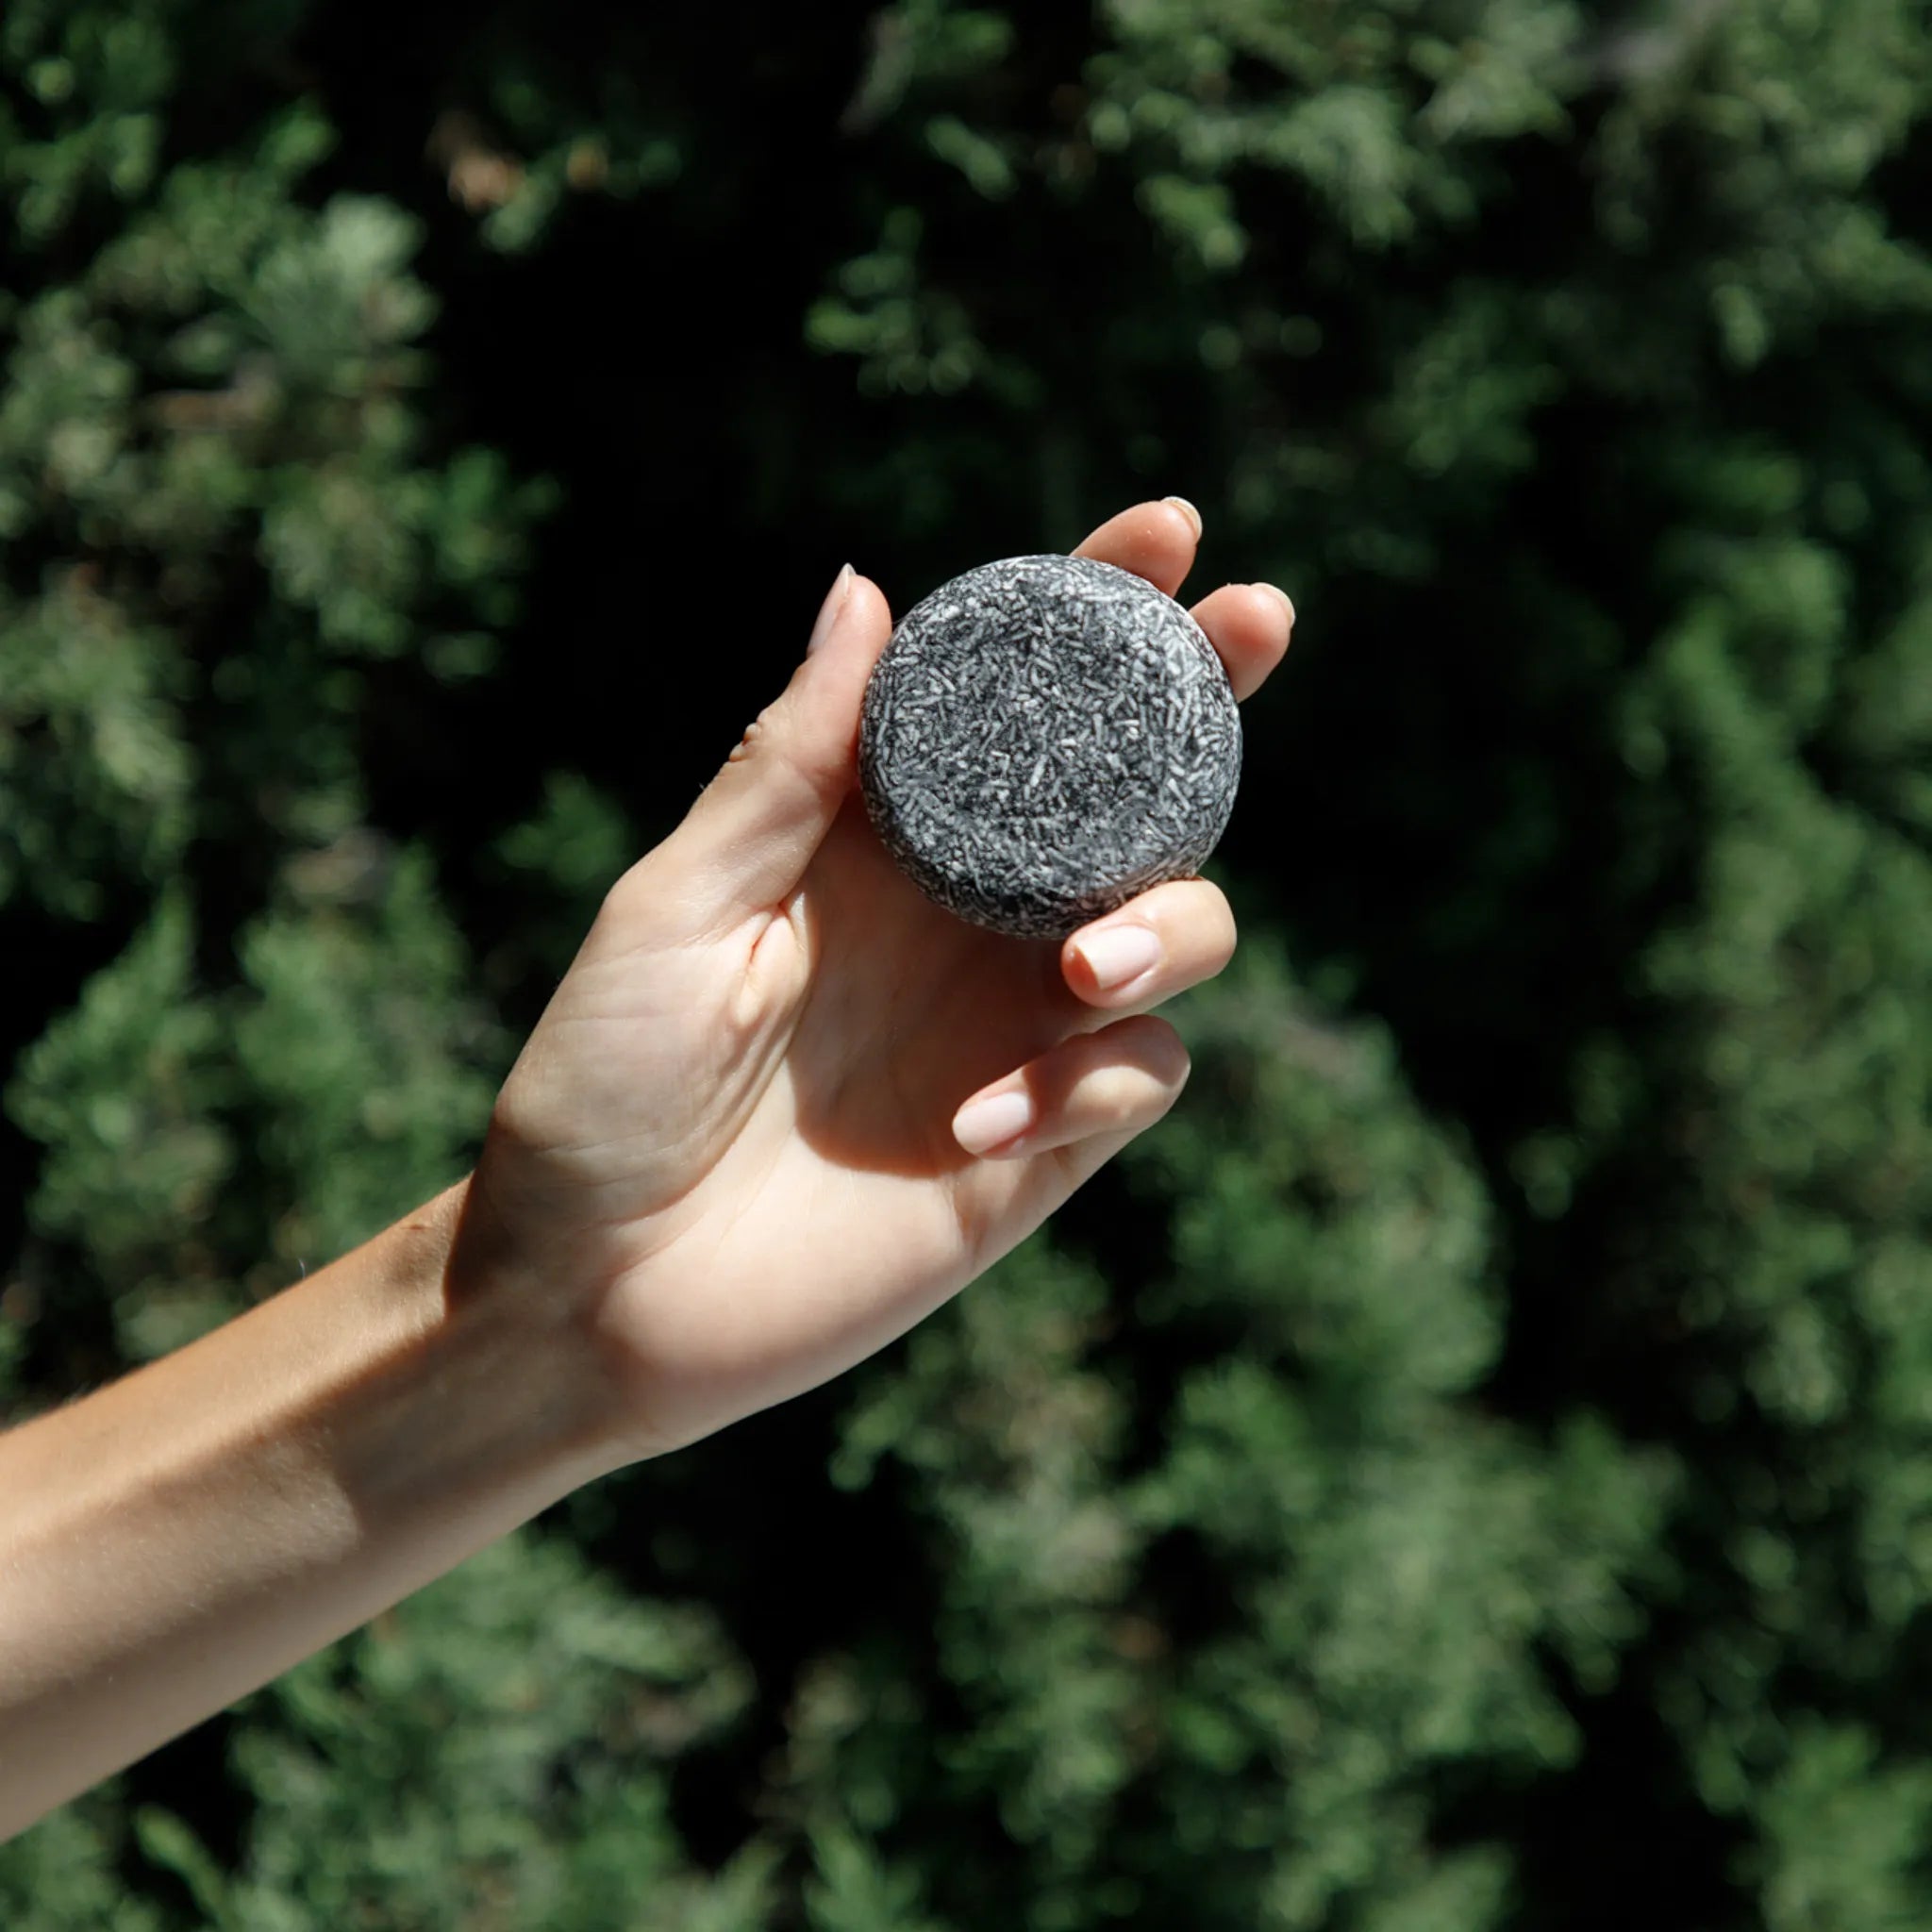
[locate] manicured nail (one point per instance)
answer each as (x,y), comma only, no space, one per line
(1117,954)
(1188,510)
(992,1119)
(829,610)
(1276,591)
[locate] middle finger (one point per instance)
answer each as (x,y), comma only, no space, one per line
(1249,625)
(1160,942)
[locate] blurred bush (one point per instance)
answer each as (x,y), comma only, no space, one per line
(1470,1468)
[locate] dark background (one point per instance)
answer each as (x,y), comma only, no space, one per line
(1471,1467)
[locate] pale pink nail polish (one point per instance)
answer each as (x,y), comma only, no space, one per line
(1117,954)
(829,610)
(992,1120)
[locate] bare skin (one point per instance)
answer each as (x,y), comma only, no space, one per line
(738,1155)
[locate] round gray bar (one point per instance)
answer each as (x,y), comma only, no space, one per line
(1043,739)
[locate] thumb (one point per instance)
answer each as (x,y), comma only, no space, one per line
(756,826)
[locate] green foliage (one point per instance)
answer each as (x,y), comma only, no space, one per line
(1471,1467)
(117,1091)
(85,117)
(1332,1583)
(62,1872)
(360,1047)
(478,1743)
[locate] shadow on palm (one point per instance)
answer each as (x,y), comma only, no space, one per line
(910,1010)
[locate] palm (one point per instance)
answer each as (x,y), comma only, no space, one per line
(883,1015)
(911,1011)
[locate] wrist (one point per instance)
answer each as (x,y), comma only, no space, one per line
(505,1327)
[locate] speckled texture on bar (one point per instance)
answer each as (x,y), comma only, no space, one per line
(1043,739)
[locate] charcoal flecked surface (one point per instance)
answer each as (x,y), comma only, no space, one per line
(1043,739)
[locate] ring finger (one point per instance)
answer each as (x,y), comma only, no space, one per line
(1170,938)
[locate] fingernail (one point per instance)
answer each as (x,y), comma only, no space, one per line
(829,610)
(1117,954)
(992,1119)
(1188,510)
(1276,591)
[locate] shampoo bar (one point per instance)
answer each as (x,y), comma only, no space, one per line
(1043,739)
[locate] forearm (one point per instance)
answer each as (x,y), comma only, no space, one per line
(179,1538)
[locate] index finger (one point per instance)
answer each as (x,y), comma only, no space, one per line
(1155,540)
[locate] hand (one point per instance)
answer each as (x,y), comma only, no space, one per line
(782,1105)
